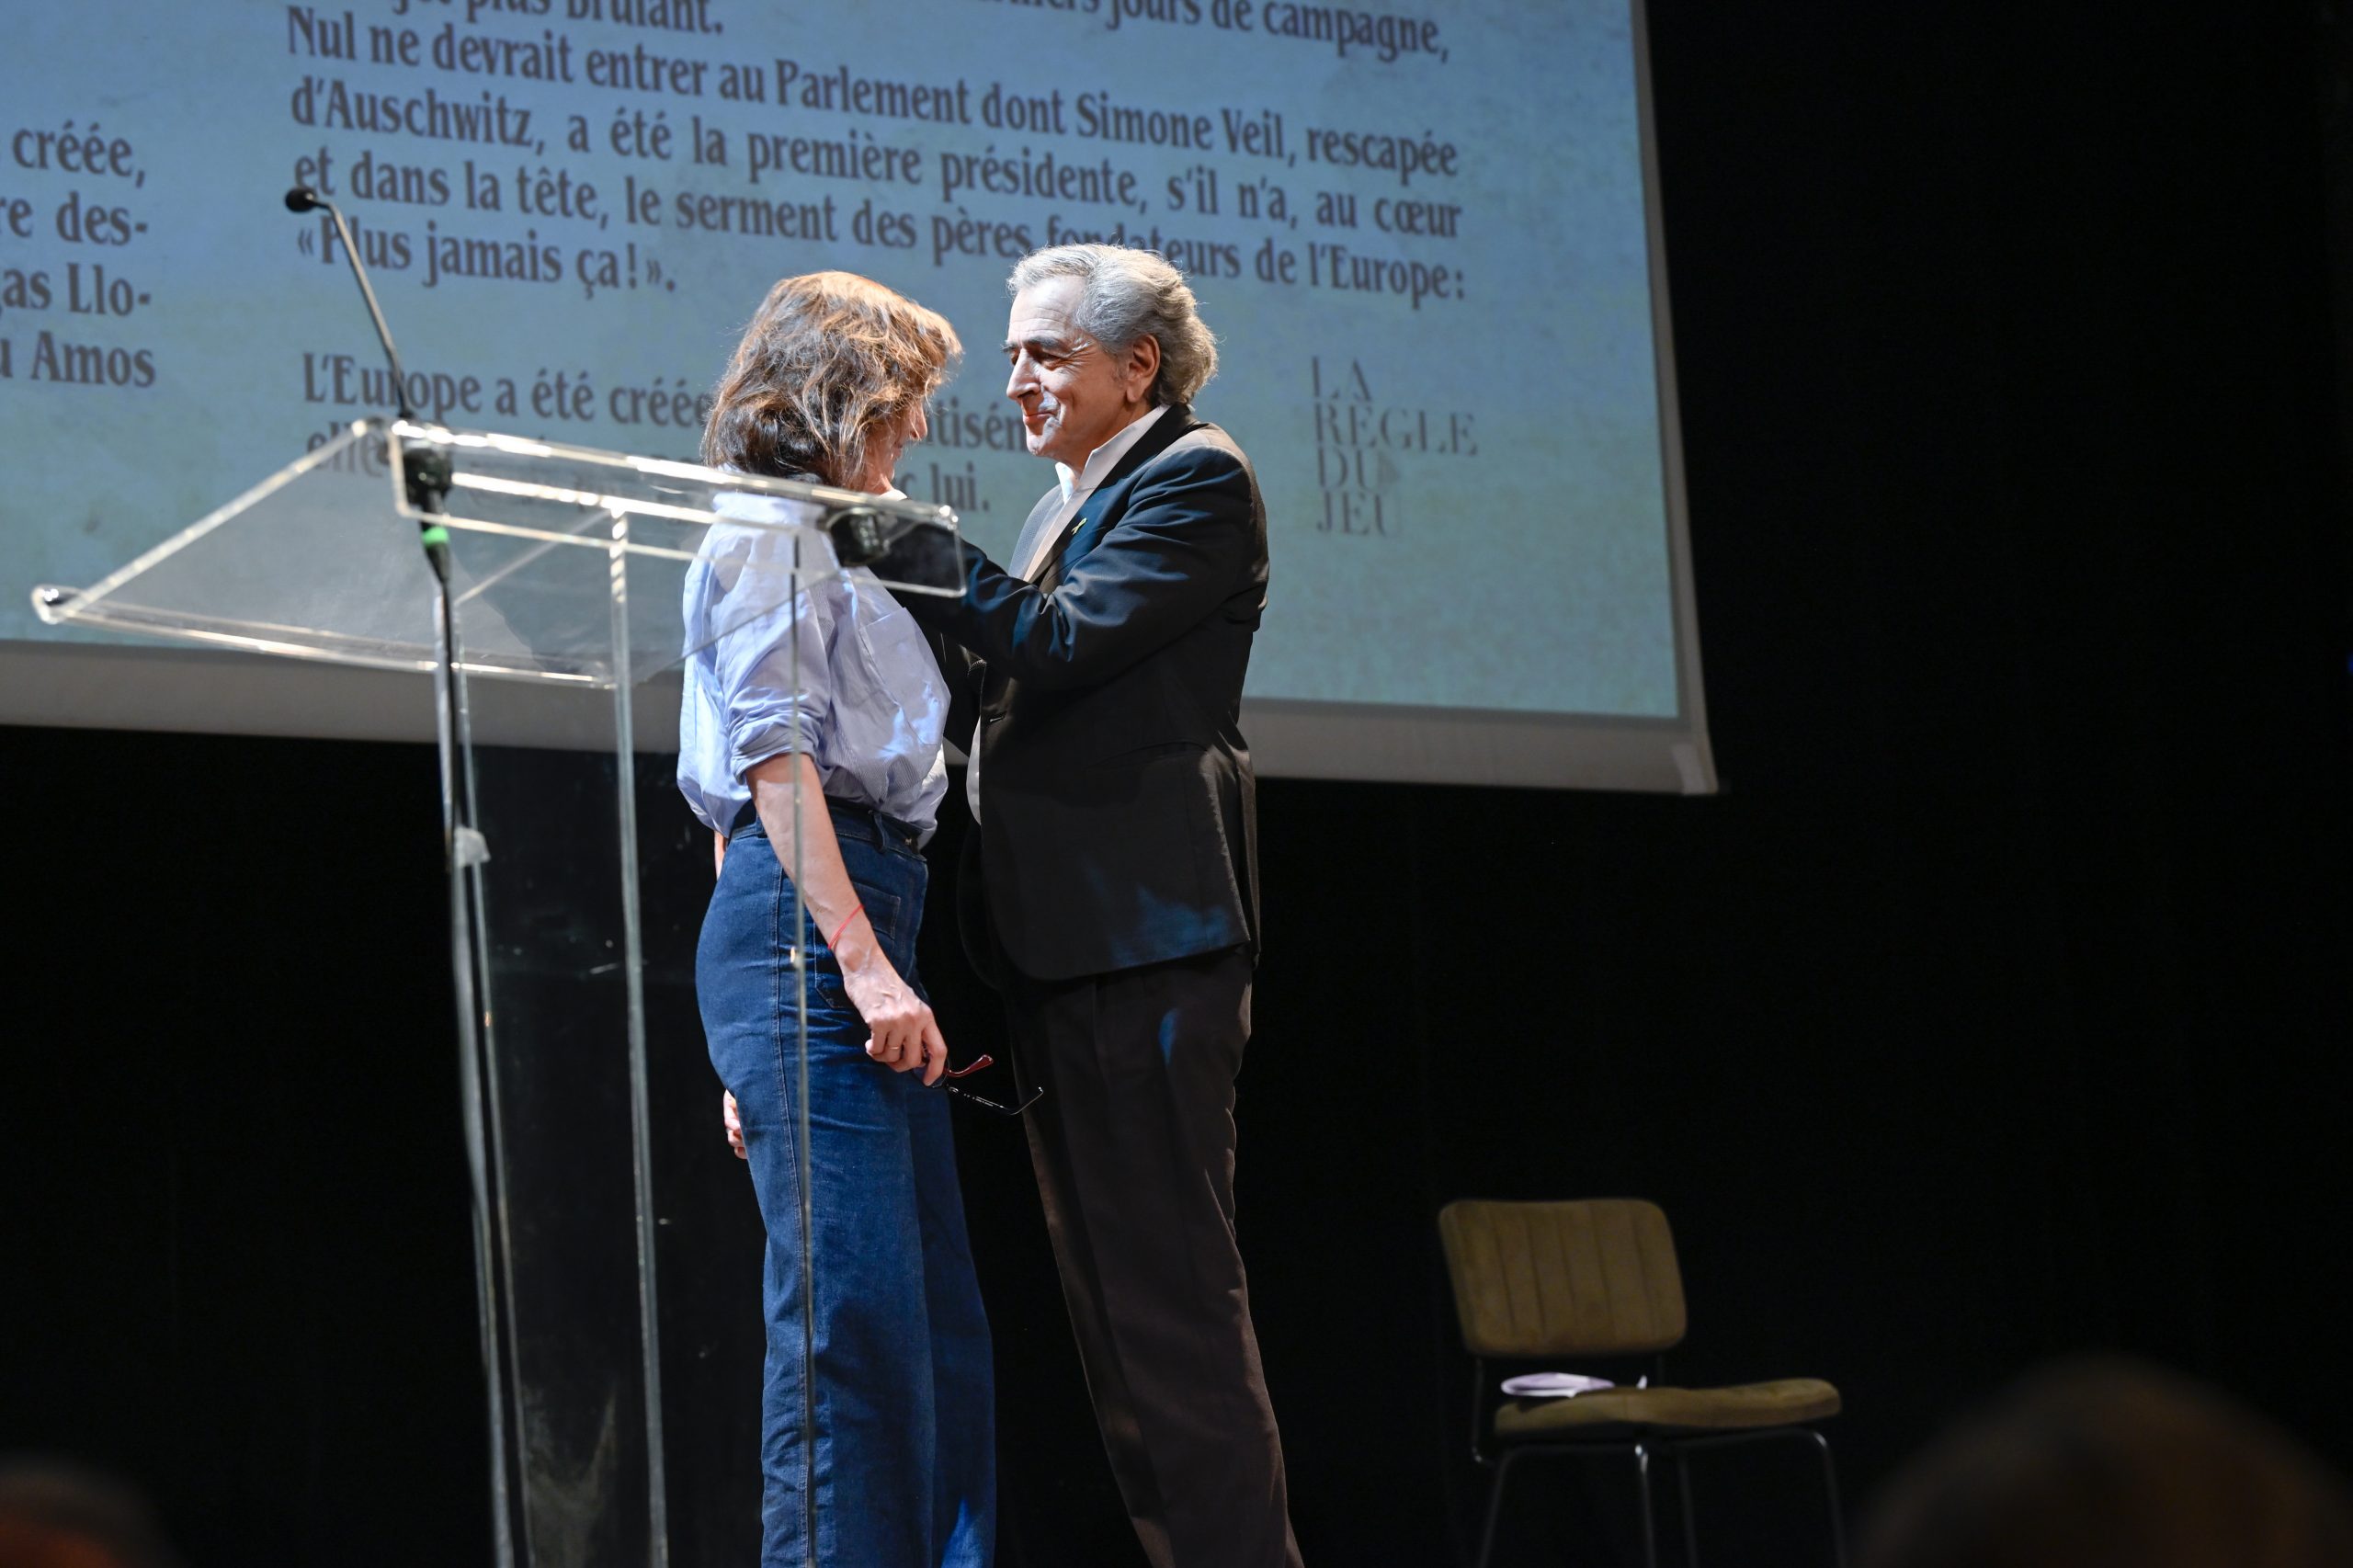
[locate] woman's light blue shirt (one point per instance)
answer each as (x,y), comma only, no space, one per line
(866,704)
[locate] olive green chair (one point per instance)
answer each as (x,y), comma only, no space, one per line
(1590,1280)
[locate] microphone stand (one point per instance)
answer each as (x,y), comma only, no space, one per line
(424,471)
(426,477)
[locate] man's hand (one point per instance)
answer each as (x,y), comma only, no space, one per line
(733,1123)
(905,1036)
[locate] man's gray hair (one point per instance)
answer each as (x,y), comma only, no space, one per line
(1129,295)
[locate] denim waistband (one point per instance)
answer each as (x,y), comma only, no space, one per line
(852,819)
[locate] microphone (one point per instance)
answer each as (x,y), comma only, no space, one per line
(302,198)
(424,471)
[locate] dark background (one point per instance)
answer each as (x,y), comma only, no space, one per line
(1993,1012)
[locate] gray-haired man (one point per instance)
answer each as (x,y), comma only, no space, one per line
(1113,883)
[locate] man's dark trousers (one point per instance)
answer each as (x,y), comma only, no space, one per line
(1134,1147)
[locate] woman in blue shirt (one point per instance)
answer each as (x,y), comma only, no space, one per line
(877,1445)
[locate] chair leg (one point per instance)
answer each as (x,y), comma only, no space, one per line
(1830,1489)
(1643,1485)
(1690,1521)
(1495,1507)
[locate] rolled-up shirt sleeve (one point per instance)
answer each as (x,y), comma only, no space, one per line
(758,680)
(770,651)
(775,683)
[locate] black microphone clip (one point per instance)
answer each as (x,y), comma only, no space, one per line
(426,476)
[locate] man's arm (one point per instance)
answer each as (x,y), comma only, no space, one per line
(956,669)
(1179,551)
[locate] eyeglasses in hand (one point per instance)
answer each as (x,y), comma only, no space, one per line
(949,1082)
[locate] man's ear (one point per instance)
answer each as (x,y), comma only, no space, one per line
(1143,366)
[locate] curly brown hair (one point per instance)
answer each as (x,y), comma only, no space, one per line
(829,358)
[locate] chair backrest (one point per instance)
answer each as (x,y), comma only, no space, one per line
(1596,1277)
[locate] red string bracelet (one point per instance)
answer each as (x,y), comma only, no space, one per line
(835,939)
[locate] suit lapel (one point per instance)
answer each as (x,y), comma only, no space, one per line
(1110,499)
(1049,570)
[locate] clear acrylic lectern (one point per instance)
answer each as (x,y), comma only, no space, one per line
(565,569)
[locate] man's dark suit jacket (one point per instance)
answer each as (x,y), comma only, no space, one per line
(1118,811)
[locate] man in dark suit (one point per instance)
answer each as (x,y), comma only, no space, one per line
(1114,889)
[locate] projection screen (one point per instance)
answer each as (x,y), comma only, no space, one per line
(1426,235)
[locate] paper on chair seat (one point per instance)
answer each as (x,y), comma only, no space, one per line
(1553,1385)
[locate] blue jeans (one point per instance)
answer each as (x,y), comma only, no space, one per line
(877,1409)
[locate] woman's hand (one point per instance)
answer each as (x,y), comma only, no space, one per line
(905,1036)
(733,1122)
